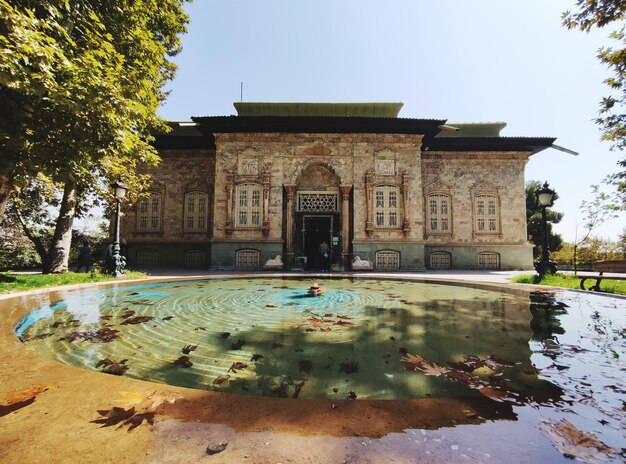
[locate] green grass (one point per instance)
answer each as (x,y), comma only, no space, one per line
(571,281)
(10,282)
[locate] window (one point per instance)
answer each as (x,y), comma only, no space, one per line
(196,211)
(149,213)
(248,205)
(247,259)
(488,260)
(439,213)
(486,214)
(440,260)
(386,198)
(146,257)
(387,260)
(194,258)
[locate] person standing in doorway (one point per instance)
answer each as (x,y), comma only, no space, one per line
(324,250)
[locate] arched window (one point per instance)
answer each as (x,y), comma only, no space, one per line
(248,205)
(196,211)
(386,206)
(439,213)
(247,259)
(488,260)
(149,213)
(486,214)
(147,257)
(440,260)
(387,260)
(194,258)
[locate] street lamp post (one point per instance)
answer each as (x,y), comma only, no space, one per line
(544,198)
(117,260)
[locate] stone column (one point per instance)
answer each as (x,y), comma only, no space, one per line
(291,193)
(229,204)
(345,224)
(267,184)
(406,223)
(369,188)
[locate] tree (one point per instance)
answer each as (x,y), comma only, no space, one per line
(611,117)
(534,222)
(80,84)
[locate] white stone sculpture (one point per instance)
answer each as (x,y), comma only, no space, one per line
(359,264)
(276,263)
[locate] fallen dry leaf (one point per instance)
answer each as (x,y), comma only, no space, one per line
(20,396)
(575,444)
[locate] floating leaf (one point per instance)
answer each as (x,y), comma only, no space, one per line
(298,387)
(167,318)
(351,395)
(416,363)
(256,357)
(188,348)
(137,320)
(224,335)
(200,328)
(183,361)
(112,367)
(103,335)
(578,445)
(237,366)
(127,313)
(221,379)
(343,323)
(344,316)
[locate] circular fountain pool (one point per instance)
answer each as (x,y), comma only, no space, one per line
(360,339)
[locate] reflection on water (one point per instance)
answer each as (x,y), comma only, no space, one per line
(511,368)
(267,337)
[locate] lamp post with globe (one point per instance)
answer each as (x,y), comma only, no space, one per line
(117,262)
(545,195)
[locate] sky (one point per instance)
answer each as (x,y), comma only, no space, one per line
(478,61)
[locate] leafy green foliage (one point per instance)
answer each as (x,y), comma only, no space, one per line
(611,117)
(80,84)
(570,281)
(534,222)
(10,282)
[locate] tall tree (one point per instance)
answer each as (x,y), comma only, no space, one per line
(534,222)
(591,14)
(81,83)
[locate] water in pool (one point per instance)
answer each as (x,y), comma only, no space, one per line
(360,339)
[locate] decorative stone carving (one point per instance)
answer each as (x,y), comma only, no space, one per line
(318,150)
(386,167)
(249,166)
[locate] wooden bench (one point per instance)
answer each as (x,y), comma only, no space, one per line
(614,267)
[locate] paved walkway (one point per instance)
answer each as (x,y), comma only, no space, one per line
(448,274)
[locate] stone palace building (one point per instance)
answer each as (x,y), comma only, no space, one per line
(278,179)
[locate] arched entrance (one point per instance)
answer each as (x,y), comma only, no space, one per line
(315,206)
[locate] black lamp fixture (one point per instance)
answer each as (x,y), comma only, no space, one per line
(545,196)
(117,261)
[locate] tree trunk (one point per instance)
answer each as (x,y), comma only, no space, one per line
(41,249)
(6,185)
(59,251)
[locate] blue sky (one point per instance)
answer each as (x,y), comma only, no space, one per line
(485,60)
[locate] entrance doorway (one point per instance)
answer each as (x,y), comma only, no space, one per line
(315,230)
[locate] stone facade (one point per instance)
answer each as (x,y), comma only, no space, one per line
(371,194)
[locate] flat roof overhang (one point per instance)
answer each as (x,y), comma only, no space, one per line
(465,144)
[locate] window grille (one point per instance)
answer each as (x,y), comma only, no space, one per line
(194,258)
(439,217)
(149,213)
(487,214)
(248,206)
(247,259)
(440,260)
(196,211)
(387,260)
(146,257)
(386,206)
(488,260)
(317,202)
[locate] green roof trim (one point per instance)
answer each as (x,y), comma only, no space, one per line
(472,129)
(346,110)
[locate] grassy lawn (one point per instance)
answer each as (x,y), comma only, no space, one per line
(570,281)
(10,282)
